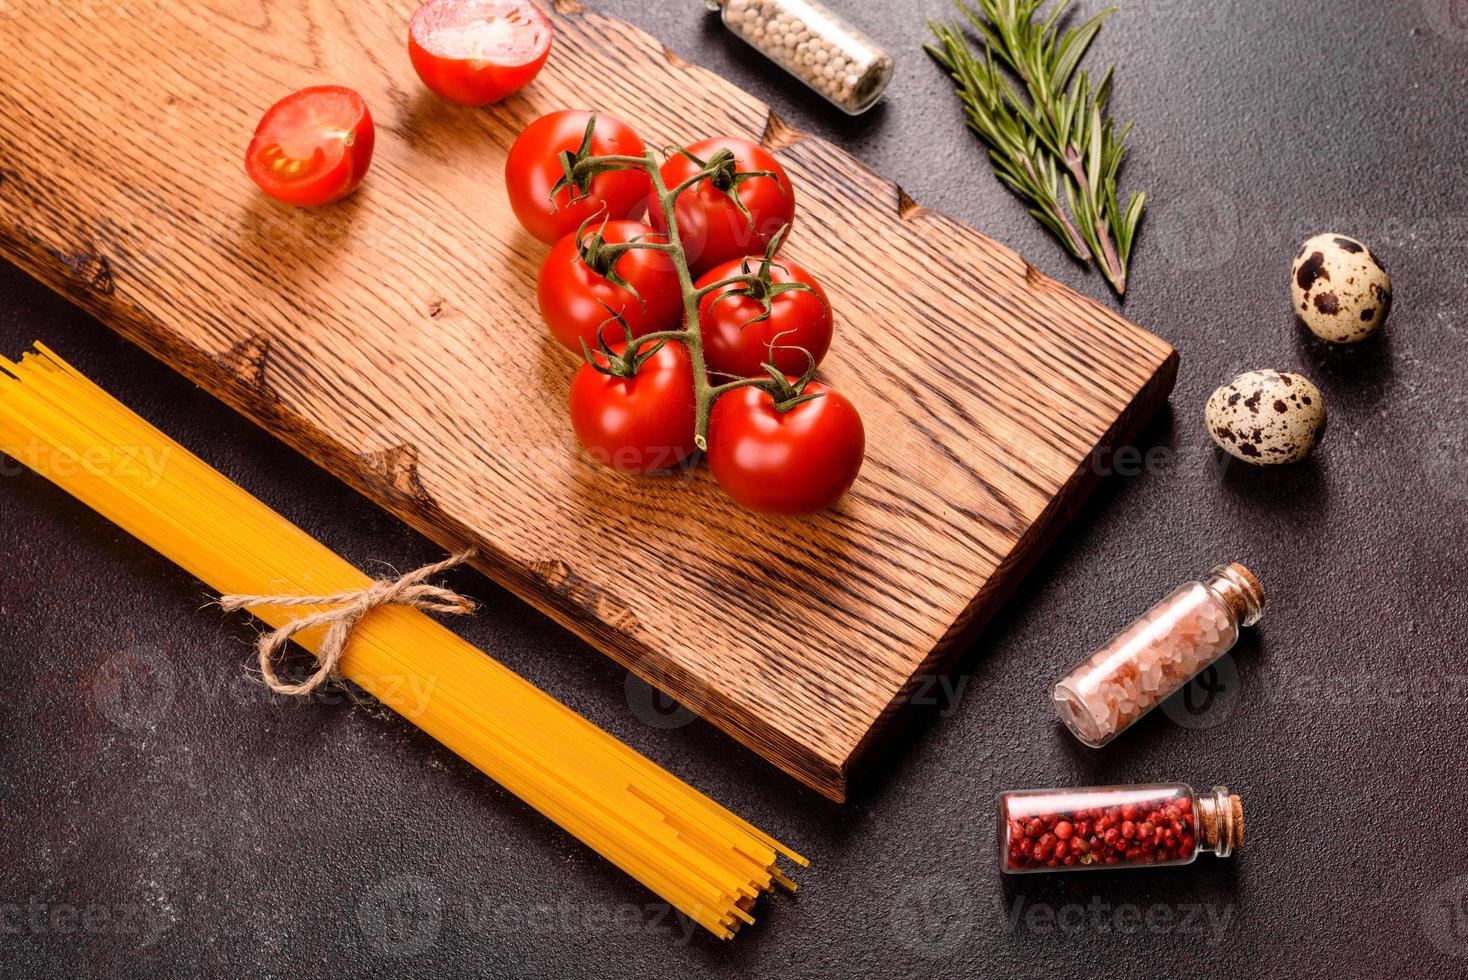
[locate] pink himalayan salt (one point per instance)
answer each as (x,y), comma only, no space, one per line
(1156,655)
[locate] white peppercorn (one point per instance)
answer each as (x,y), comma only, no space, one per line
(814,45)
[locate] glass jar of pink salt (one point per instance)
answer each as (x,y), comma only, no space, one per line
(1144,664)
(1104,827)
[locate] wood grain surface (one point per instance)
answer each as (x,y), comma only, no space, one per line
(394,338)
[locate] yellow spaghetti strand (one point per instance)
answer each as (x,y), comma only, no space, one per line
(692,852)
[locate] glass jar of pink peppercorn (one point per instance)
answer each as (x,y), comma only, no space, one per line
(1115,827)
(1147,662)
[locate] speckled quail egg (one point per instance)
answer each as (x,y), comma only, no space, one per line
(1341,290)
(1266,417)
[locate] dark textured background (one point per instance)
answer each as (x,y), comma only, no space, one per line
(161,814)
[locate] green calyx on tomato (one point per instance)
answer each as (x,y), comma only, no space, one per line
(579,168)
(786,392)
(727,196)
(621,360)
(602,256)
(755,311)
(761,287)
(535,173)
(618,266)
(724,175)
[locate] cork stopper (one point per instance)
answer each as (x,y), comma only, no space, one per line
(1221,821)
(1240,590)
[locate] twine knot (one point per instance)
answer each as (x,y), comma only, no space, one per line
(408,590)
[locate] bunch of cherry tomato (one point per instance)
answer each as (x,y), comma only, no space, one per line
(782,444)
(786,444)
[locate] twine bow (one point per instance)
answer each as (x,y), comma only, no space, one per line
(409,590)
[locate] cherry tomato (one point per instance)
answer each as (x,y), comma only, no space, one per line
(710,224)
(794,462)
(735,344)
(574,299)
(534,167)
(637,424)
(312,147)
(478,51)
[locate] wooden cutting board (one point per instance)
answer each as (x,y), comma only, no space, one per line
(394,339)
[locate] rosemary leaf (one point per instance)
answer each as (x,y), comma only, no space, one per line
(1051,140)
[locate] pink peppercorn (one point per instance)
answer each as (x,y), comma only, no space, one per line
(1148,825)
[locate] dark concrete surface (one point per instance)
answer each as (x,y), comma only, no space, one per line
(161,815)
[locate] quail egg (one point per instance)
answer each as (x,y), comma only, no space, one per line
(1341,290)
(1266,417)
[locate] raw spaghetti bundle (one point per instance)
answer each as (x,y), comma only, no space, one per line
(692,852)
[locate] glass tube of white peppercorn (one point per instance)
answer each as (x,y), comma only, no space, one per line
(1115,827)
(813,44)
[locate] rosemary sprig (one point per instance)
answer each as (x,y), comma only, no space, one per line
(1053,144)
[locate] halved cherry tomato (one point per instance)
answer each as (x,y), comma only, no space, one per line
(637,424)
(794,462)
(534,167)
(478,51)
(710,224)
(312,147)
(734,343)
(575,300)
